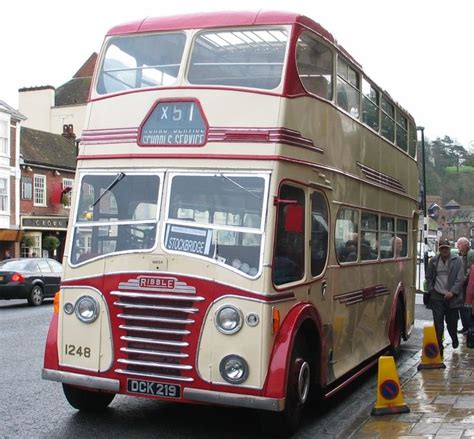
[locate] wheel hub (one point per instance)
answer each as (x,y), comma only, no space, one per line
(303,382)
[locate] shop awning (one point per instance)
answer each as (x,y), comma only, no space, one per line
(10,235)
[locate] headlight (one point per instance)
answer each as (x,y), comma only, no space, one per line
(87,309)
(234,369)
(68,308)
(228,319)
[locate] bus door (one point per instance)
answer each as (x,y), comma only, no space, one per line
(320,290)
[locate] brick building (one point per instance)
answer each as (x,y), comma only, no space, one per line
(48,169)
(10,234)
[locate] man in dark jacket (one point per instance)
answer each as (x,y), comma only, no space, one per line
(445,277)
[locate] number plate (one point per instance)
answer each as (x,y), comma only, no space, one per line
(155,389)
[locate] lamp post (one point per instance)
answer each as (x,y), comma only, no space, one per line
(425,218)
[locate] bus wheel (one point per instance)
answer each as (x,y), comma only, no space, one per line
(396,342)
(283,424)
(86,400)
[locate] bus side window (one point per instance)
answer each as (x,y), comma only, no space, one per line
(288,264)
(314,62)
(347,235)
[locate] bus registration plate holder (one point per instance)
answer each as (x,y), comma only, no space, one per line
(155,389)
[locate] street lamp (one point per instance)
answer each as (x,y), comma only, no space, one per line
(425,219)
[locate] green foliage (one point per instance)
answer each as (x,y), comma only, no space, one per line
(28,241)
(51,242)
(449,171)
(453,169)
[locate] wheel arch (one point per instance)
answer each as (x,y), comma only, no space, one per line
(302,320)
(399,298)
(51,357)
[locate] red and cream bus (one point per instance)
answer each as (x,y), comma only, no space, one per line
(243,219)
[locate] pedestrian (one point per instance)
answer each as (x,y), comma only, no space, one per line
(467,255)
(445,277)
(7,255)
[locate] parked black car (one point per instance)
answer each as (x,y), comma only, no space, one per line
(32,279)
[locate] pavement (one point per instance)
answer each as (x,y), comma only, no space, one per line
(441,401)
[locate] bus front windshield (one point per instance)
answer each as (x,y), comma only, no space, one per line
(219,217)
(240,57)
(115,213)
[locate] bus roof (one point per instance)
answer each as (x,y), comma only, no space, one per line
(209,20)
(218,19)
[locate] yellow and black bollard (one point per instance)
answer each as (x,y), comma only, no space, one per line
(430,356)
(389,394)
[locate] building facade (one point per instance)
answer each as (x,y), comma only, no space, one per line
(47,174)
(48,108)
(10,233)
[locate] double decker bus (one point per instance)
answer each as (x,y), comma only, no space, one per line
(243,221)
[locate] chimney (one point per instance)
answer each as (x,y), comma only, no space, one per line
(68,132)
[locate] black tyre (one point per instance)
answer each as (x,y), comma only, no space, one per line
(36,296)
(86,400)
(285,423)
(396,342)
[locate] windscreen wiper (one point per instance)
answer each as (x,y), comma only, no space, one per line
(117,178)
(240,186)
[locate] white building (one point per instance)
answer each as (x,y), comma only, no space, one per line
(50,109)
(10,122)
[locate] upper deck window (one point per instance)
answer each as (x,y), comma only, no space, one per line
(348,94)
(402,131)
(241,57)
(314,62)
(370,105)
(141,61)
(388,122)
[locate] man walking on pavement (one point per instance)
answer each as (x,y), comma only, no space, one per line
(445,277)
(467,255)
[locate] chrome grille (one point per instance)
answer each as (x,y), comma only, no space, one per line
(158,329)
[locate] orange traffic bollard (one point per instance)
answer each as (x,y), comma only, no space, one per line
(389,395)
(430,356)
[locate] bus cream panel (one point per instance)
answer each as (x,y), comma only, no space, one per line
(369,197)
(96,336)
(236,108)
(136,262)
(247,343)
(368,339)
(370,154)
(344,280)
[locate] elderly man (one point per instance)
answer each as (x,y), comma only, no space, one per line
(467,256)
(445,277)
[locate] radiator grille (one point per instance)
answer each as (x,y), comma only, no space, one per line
(158,329)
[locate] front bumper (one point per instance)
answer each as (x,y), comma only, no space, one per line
(77,379)
(197,395)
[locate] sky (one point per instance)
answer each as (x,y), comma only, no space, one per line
(420,51)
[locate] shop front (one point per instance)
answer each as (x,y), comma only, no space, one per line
(43,236)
